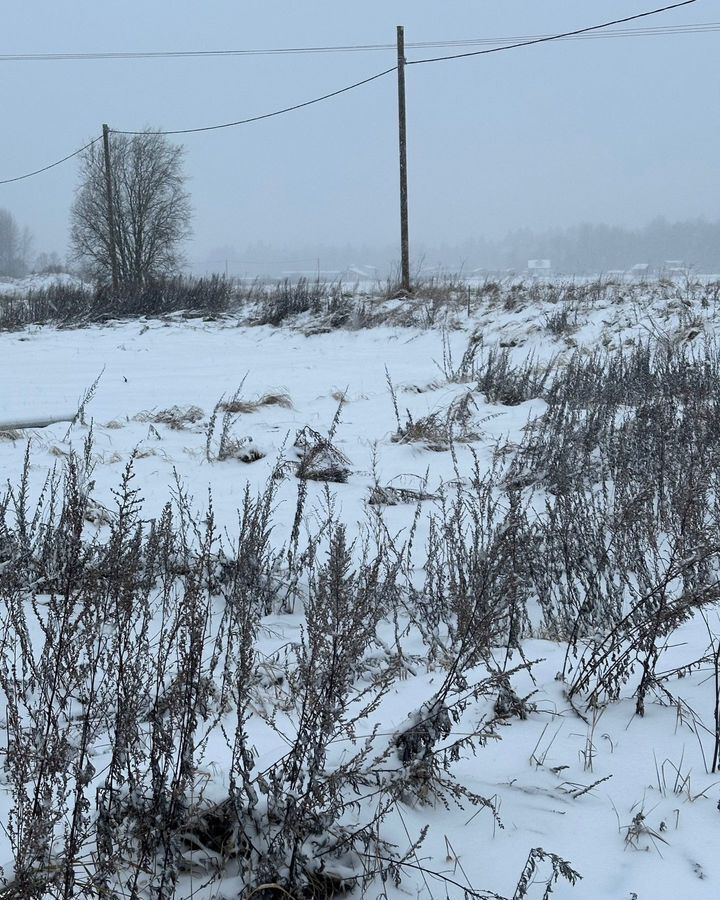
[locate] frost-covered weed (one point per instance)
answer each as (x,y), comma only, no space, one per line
(142,640)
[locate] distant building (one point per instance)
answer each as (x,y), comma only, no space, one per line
(675,268)
(539,266)
(640,270)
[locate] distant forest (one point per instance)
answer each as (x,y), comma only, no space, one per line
(580,249)
(593,249)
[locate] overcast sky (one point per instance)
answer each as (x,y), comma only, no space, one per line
(616,131)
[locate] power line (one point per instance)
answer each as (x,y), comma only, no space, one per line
(184,54)
(513,46)
(658,31)
(52,165)
(525,43)
(525,40)
(270,115)
(555,37)
(208,127)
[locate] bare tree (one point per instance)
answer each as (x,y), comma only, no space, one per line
(48,263)
(150,204)
(15,245)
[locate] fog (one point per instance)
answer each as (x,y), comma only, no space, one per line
(618,131)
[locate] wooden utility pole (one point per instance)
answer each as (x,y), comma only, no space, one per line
(402,121)
(110,211)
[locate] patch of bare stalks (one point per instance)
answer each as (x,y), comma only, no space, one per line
(125,653)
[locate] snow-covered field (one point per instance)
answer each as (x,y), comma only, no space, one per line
(628,801)
(36,282)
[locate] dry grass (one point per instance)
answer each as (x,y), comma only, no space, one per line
(175,417)
(237,406)
(432,430)
(319,459)
(439,430)
(390,495)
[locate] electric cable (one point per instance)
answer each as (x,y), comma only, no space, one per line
(513,46)
(52,165)
(270,115)
(655,31)
(554,37)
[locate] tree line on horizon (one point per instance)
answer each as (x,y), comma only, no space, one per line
(586,248)
(596,248)
(151,220)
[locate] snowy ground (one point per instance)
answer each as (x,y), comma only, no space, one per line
(541,773)
(36,282)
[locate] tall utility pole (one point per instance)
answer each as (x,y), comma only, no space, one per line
(402,120)
(110,211)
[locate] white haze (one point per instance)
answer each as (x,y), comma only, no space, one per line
(617,131)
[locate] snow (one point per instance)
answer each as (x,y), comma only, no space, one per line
(36,282)
(569,785)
